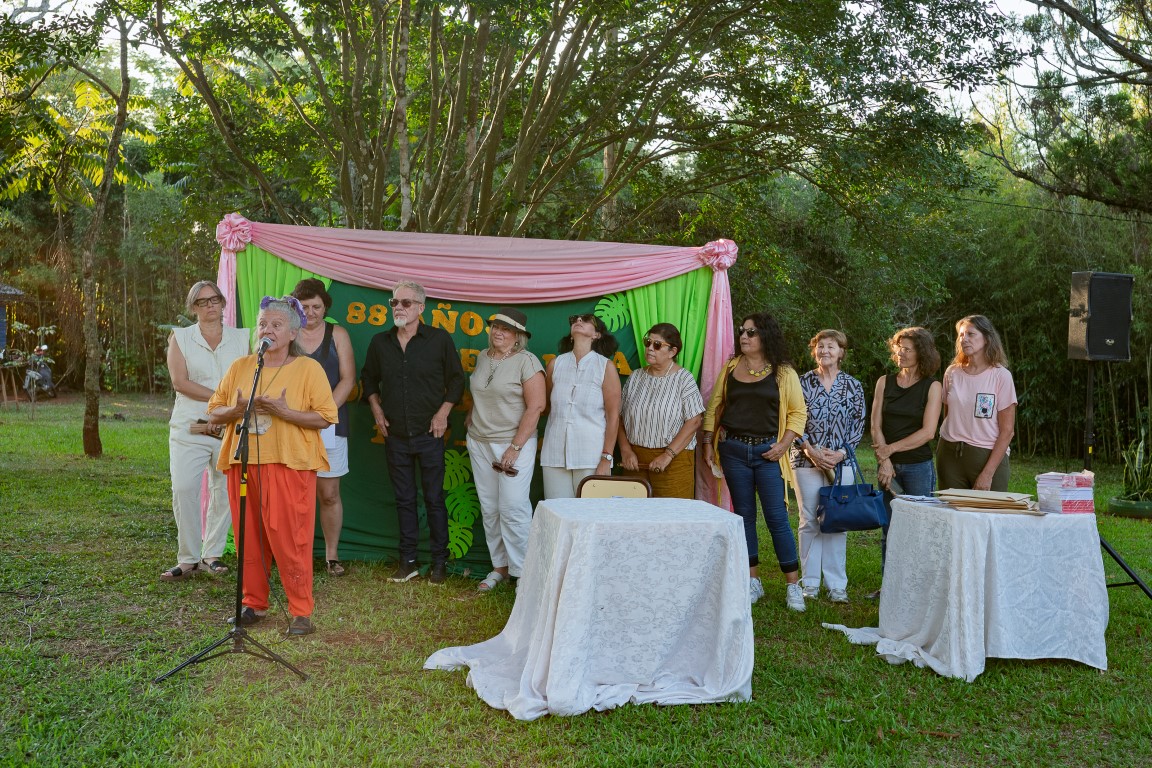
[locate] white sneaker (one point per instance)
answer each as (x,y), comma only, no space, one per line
(755,588)
(794,597)
(811,593)
(838,595)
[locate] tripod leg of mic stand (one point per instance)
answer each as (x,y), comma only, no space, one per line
(240,640)
(1136,580)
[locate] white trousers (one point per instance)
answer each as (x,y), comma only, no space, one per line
(820,553)
(189,456)
(504,502)
(561,483)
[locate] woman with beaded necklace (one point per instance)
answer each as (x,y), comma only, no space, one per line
(754,415)
(660,413)
(508,396)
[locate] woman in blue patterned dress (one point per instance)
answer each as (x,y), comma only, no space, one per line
(835,404)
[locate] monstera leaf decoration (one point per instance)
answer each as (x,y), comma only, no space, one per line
(613,310)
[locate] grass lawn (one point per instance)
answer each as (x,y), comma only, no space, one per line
(87,625)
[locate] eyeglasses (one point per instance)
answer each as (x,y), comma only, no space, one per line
(749,332)
(406,303)
(209,301)
(587,318)
(656,345)
(510,471)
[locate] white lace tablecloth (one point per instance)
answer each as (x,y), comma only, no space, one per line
(621,601)
(960,587)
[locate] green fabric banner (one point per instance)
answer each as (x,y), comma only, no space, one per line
(370,529)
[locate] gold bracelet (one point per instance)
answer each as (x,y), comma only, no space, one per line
(670,452)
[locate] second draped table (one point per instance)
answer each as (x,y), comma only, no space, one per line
(961,587)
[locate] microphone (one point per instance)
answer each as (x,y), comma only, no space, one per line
(263,346)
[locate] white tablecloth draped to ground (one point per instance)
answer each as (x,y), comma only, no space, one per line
(621,600)
(960,587)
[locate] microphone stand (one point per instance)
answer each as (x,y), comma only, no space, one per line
(238,635)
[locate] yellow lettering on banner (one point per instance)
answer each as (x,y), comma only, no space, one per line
(356,312)
(471,323)
(547,359)
(377,437)
(447,321)
(377,314)
(468,359)
(621,364)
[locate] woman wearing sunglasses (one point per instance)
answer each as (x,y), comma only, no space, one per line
(660,413)
(755,413)
(198,356)
(508,396)
(584,394)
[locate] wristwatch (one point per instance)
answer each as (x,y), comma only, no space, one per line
(608,458)
(515,447)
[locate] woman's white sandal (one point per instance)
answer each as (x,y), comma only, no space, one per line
(490,581)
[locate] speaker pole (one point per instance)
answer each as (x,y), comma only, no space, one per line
(1090,418)
(1089,442)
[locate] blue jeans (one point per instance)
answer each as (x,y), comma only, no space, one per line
(917,479)
(404,454)
(748,473)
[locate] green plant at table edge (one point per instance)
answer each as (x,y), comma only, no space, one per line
(1137,457)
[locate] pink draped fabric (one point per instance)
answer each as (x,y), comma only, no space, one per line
(491,270)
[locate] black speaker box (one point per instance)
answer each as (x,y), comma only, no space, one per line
(1100,316)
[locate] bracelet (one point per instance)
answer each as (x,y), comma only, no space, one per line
(670,452)
(515,447)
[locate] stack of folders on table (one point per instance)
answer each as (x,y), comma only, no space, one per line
(1067,493)
(990,501)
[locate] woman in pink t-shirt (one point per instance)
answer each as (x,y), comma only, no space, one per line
(979,411)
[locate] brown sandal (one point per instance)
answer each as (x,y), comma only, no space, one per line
(335,568)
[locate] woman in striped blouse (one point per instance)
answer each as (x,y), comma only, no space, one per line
(661,411)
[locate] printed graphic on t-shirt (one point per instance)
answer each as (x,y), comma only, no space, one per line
(985,405)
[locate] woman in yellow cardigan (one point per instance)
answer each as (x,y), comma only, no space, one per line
(751,421)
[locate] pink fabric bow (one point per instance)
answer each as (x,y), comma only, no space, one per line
(718,254)
(233,233)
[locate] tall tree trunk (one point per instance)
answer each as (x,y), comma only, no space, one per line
(93,448)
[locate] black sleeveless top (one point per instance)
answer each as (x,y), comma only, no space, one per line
(903,414)
(752,408)
(329,360)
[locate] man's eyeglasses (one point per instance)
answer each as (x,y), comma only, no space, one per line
(406,303)
(573,319)
(510,471)
(749,332)
(656,345)
(209,301)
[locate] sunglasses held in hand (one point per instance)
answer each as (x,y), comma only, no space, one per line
(510,471)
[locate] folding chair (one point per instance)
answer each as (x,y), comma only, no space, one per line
(613,486)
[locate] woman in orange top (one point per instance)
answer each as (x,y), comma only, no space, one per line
(293,403)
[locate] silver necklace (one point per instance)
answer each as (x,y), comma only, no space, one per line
(492,370)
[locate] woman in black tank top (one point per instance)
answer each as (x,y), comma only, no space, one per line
(905,415)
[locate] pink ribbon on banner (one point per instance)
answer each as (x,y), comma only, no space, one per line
(719,255)
(233,233)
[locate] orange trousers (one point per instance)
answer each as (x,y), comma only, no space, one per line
(280,523)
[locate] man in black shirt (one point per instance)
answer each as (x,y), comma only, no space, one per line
(412,376)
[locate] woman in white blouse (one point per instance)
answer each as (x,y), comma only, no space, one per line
(198,357)
(660,412)
(584,396)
